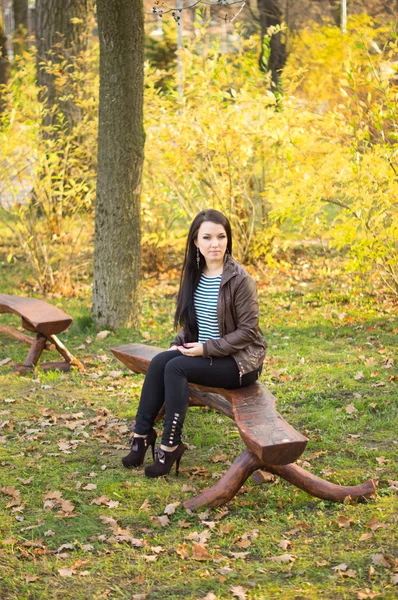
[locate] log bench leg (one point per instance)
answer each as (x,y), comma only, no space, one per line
(63,350)
(229,484)
(34,354)
(316,486)
(247,462)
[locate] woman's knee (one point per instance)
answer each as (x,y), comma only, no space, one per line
(159,361)
(175,366)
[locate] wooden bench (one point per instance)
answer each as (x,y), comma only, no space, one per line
(45,321)
(272,444)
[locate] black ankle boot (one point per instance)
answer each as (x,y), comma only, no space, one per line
(138,450)
(164,461)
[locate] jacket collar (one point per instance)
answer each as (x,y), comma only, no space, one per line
(230,269)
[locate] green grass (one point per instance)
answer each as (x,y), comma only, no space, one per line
(315,352)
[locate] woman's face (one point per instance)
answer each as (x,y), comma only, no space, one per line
(212,242)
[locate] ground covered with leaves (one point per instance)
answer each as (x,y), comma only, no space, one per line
(75,523)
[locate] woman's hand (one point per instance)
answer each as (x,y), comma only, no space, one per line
(191,349)
(174,347)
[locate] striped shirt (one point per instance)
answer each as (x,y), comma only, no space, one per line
(205,301)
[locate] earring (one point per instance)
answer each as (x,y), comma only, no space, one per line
(197,256)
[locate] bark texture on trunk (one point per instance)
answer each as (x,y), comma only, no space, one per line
(271,14)
(117,259)
(19,41)
(20,10)
(4,62)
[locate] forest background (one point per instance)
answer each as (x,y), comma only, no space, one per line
(303,160)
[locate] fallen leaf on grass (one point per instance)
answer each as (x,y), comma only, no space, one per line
(5,361)
(225,571)
(350,573)
(201,538)
(9,542)
(188,488)
(183,524)
(151,557)
(210,524)
(381,560)
(171,508)
(321,563)
(366,536)
(284,544)
(145,505)
(374,524)
(67,506)
(65,547)
(340,567)
(89,487)
(182,551)
(110,521)
(25,481)
(239,554)
(243,544)
(367,594)
(394,579)
(162,521)
(238,591)
(344,521)
(283,558)
(381,460)
(199,552)
(103,334)
(350,409)
(101,500)
(139,596)
(10,491)
(33,543)
(115,374)
(9,400)
(66,572)
(209,596)
(87,547)
(222,457)
(30,578)
(359,375)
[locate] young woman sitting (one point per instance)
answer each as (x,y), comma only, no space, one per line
(220,343)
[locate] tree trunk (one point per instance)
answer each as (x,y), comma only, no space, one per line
(271,14)
(20,10)
(4,62)
(61,26)
(121,137)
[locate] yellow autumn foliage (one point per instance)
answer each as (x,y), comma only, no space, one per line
(315,160)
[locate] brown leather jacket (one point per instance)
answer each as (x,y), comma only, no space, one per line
(237,311)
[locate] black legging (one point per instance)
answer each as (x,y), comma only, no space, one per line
(167,382)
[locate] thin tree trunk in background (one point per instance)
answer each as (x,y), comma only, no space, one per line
(20,10)
(61,25)
(271,14)
(4,62)
(117,258)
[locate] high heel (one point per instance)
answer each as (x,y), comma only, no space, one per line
(139,446)
(164,461)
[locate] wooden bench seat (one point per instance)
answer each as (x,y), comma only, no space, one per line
(271,443)
(261,427)
(46,321)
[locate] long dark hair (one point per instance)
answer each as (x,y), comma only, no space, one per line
(185,312)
